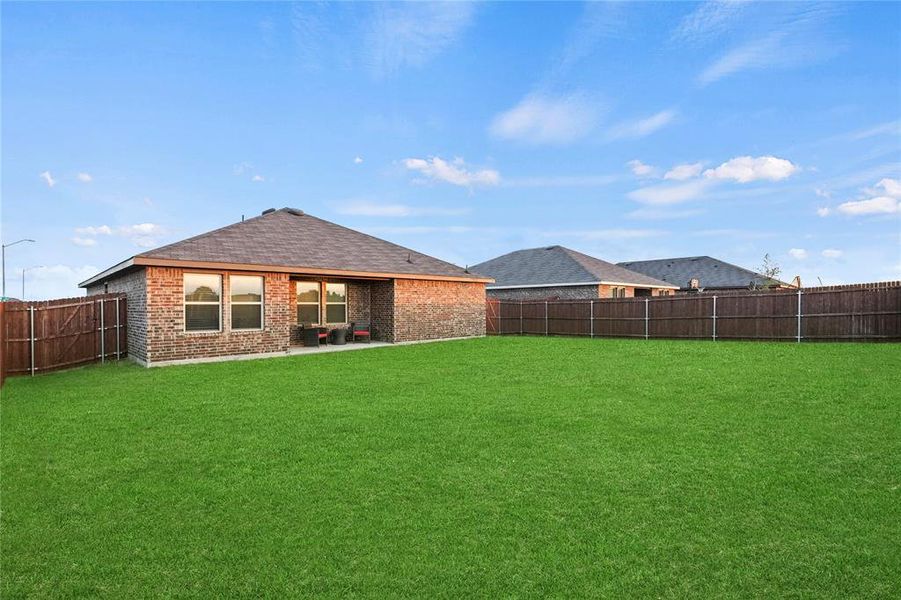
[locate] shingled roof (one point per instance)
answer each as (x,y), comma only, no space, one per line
(710,272)
(556,265)
(290,240)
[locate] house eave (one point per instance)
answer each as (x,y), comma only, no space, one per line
(146,261)
(580,283)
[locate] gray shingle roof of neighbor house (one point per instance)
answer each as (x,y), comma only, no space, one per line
(710,272)
(289,240)
(555,266)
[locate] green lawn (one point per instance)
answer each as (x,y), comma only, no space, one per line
(494,467)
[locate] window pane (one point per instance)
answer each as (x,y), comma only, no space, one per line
(246,288)
(246,316)
(307,313)
(202,317)
(336,313)
(335,292)
(202,288)
(307,291)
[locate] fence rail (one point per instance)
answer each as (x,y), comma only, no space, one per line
(36,337)
(861,313)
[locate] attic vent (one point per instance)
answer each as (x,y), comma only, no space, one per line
(268,210)
(294,211)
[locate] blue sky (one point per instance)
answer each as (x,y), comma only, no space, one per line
(626,130)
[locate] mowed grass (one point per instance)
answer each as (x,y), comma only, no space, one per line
(491,467)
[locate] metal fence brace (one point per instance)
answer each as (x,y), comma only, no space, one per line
(545,317)
(102,336)
(714,318)
(591,320)
(521,331)
(799,316)
(118,335)
(31,331)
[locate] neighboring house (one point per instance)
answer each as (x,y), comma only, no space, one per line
(244,288)
(702,273)
(558,272)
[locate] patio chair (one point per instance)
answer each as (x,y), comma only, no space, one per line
(361,329)
(315,336)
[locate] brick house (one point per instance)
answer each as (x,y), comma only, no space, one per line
(248,287)
(556,272)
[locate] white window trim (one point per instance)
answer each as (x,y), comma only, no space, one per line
(344,304)
(317,304)
(261,303)
(185,303)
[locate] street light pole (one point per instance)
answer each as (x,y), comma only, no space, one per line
(3,260)
(23,277)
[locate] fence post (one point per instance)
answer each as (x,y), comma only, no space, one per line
(799,315)
(545,317)
(714,318)
(102,336)
(31,330)
(118,334)
(521,332)
(591,320)
(646,303)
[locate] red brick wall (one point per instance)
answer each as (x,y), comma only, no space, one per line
(135,287)
(167,339)
(399,310)
(426,310)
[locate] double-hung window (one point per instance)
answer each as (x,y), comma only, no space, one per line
(307,302)
(203,302)
(246,301)
(335,303)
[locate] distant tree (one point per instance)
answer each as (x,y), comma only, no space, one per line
(768,271)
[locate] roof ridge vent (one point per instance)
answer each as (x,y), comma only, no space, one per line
(268,210)
(294,211)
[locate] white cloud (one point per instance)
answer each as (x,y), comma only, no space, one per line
(84,177)
(872,206)
(57,281)
(708,20)
(662,213)
(832,253)
(541,119)
(642,127)
(410,34)
(884,198)
(86,242)
(889,128)
(561,181)
(670,193)
(453,172)
(606,234)
(744,169)
(824,211)
(798,253)
(890,187)
(785,36)
(358,160)
(258,178)
(822,193)
(92,230)
(683,172)
(639,169)
(139,229)
(48,178)
(242,168)
(366,208)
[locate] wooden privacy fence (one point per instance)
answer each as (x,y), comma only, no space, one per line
(858,314)
(36,337)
